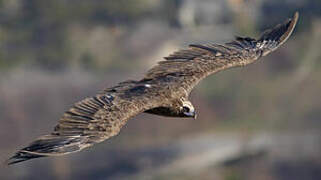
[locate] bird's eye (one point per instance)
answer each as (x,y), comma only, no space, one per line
(185,109)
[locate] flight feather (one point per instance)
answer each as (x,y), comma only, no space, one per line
(100,117)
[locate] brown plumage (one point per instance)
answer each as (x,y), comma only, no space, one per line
(163,91)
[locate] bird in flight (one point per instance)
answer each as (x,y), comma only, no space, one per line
(164,91)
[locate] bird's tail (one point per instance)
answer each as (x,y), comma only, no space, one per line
(49,145)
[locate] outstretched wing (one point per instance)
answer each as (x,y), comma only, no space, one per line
(91,121)
(187,67)
(98,118)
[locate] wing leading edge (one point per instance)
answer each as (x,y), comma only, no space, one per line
(95,119)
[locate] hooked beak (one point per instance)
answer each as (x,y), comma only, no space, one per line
(192,114)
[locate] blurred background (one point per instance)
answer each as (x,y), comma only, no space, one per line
(262,121)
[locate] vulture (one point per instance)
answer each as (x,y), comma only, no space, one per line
(163,91)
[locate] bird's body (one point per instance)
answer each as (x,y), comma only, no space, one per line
(164,90)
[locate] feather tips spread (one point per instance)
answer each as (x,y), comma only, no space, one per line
(77,129)
(241,51)
(271,39)
(49,145)
(95,119)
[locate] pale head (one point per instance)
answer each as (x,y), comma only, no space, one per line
(187,109)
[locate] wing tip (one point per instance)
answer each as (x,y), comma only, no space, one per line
(296,16)
(293,21)
(272,38)
(21,156)
(49,145)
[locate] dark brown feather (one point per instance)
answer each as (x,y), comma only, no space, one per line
(100,117)
(201,60)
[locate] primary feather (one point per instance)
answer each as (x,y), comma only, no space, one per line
(100,117)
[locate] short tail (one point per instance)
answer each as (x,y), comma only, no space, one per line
(49,145)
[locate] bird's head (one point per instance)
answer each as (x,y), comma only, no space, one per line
(187,109)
